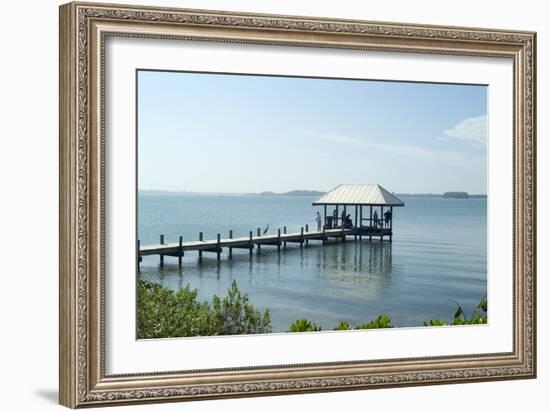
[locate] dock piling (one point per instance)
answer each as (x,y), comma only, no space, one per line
(301,237)
(251,244)
(162,255)
(284,231)
(279,240)
(180,253)
(307,230)
(218,249)
(343,235)
(200,251)
(230,248)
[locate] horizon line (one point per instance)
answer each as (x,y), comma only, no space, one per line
(290,191)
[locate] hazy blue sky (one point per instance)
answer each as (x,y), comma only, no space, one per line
(239,133)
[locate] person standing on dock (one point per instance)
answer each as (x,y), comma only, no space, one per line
(375,218)
(318,219)
(387,218)
(343,219)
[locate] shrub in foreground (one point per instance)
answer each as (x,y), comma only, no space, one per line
(383,321)
(234,315)
(343,326)
(303,325)
(164,313)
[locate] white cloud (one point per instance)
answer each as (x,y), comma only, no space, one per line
(403,150)
(473,129)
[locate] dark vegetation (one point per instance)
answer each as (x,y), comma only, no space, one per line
(164,313)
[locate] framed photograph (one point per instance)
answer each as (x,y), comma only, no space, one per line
(260,204)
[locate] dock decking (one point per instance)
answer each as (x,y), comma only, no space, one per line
(280,239)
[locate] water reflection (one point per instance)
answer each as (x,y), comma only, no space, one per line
(369,257)
(352,268)
(366,257)
(357,269)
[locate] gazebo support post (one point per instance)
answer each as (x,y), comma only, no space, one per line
(343,220)
(360,222)
(355,236)
(370,224)
(391,225)
(381,223)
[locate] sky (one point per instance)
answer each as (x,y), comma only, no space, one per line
(243,134)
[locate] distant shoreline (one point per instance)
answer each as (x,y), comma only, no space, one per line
(311,193)
(444,195)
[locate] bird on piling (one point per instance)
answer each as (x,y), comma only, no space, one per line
(267,228)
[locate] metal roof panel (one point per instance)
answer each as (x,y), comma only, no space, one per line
(360,194)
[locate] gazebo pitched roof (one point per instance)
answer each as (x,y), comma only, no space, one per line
(359,194)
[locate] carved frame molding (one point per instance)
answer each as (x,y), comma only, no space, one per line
(83,30)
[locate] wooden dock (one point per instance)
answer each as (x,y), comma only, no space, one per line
(280,239)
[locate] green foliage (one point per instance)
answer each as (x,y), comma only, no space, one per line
(477,316)
(164,313)
(483,304)
(460,317)
(343,326)
(234,315)
(466,321)
(435,323)
(303,325)
(383,321)
(459,312)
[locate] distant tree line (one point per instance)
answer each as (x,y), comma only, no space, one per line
(448,194)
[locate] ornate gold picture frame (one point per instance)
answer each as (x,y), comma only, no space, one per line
(84,29)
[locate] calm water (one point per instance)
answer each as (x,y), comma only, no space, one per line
(438,254)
